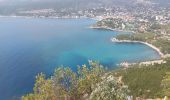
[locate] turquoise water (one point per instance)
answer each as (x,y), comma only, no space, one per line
(30,46)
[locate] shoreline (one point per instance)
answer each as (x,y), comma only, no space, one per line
(107,28)
(145,43)
(42,17)
(112,39)
(130,41)
(145,63)
(52,17)
(149,62)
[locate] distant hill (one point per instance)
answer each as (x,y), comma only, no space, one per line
(10,6)
(72,3)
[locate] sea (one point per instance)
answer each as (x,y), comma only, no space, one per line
(29,46)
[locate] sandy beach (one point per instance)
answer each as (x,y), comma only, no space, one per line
(126,64)
(148,44)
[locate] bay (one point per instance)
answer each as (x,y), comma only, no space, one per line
(29,46)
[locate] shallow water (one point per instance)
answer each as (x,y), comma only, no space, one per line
(30,46)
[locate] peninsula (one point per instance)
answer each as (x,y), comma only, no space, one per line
(158,39)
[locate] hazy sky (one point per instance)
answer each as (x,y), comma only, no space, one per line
(73,0)
(65,1)
(32,0)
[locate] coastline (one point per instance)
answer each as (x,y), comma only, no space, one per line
(146,63)
(149,62)
(145,43)
(129,41)
(113,39)
(107,28)
(51,17)
(126,64)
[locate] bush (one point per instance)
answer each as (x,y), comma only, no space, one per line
(66,84)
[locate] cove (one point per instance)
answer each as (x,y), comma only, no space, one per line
(34,45)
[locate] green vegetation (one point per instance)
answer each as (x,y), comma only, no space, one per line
(137,37)
(153,33)
(155,39)
(163,44)
(151,81)
(95,83)
(166,84)
(110,23)
(89,83)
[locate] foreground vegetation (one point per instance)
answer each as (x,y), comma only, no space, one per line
(95,83)
(151,81)
(89,83)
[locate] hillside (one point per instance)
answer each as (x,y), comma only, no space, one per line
(96,83)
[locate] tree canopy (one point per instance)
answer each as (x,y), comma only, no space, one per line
(88,83)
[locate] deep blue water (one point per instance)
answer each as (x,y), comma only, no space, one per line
(30,46)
